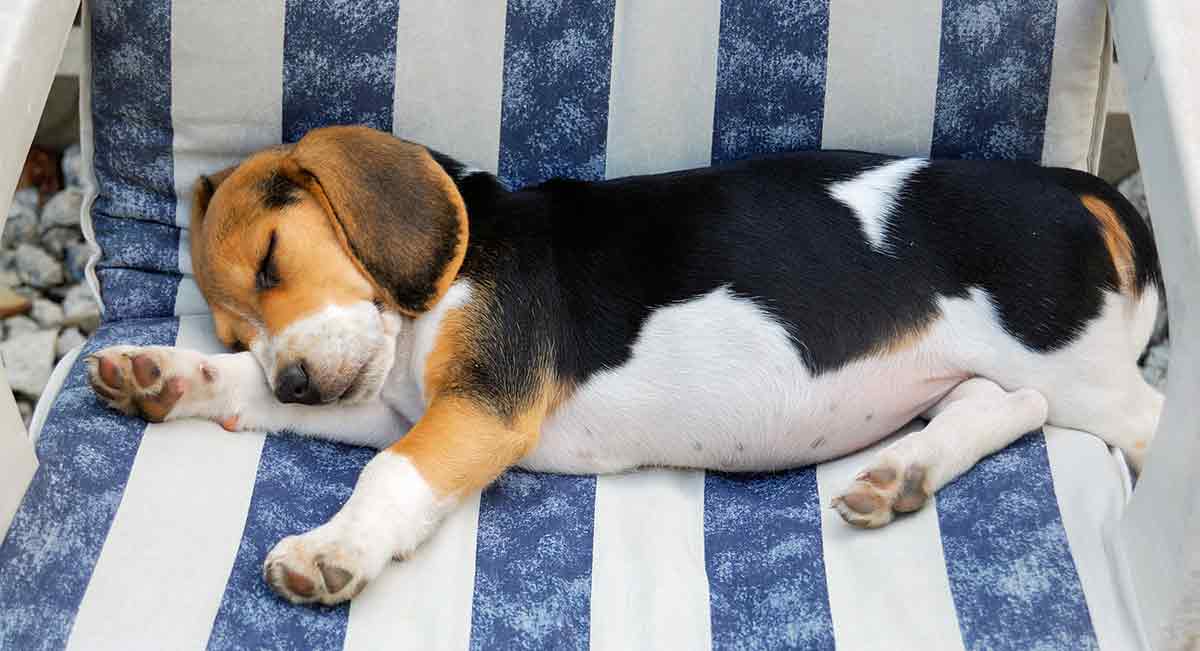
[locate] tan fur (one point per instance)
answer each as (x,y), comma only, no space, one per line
(1116,240)
(322,239)
(459,445)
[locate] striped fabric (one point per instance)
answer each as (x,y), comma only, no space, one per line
(136,536)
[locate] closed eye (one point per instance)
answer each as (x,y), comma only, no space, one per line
(267,276)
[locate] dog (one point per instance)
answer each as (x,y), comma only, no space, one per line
(753,316)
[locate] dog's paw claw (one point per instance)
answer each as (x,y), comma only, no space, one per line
(879,493)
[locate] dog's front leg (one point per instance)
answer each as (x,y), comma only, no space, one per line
(162,383)
(458,446)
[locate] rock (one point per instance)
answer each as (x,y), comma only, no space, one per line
(9,279)
(12,303)
(26,410)
(56,240)
(62,209)
(8,260)
(22,225)
(75,260)
(48,314)
(28,360)
(81,309)
(37,268)
(15,326)
(28,292)
(67,339)
(28,197)
(71,158)
(1155,363)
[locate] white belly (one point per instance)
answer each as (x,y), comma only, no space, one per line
(716,382)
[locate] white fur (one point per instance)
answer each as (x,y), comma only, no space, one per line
(392,510)
(872,196)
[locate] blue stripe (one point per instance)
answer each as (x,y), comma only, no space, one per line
(533,563)
(766,569)
(131,109)
(301,483)
(131,129)
(770,94)
(86,451)
(339,64)
(134,244)
(134,294)
(993,78)
(554,111)
(1011,572)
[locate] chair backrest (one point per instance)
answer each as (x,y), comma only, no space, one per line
(533,89)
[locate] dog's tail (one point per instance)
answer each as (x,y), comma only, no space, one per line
(1128,237)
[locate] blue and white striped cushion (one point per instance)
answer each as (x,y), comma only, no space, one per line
(152,536)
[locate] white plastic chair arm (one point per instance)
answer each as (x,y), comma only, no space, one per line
(1159,536)
(33,34)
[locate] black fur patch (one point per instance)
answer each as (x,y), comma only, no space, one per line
(278,191)
(575,268)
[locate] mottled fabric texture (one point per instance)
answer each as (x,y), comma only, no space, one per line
(994,78)
(85,451)
(131,109)
(770,77)
(1014,581)
(533,563)
(554,111)
(133,160)
(766,574)
(300,485)
(339,64)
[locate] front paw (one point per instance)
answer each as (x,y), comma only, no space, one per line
(320,566)
(156,383)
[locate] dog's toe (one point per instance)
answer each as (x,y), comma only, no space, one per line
(879,493)
(303,572)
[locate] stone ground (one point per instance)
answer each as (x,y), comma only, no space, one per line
(45,307)
(46,310)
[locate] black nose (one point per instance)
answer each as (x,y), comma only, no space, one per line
(292,385)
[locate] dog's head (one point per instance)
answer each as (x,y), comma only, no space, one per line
(311,254)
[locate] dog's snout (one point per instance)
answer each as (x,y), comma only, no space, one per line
(292,384)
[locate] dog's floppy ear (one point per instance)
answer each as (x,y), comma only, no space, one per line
(400,215)
(206,186)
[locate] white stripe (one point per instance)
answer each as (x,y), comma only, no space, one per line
(663,85)
(162,571)
(188,299)
(1078,86)
(881,76)
(226,88)
(1089,484)
(888,589)
(423,602)
(649,582)
(226,98)
(449,74)
(872,195)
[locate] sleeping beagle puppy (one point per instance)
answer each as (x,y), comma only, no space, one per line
(757,315)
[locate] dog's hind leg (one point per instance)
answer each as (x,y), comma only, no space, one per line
(974,420)
(1121,408)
